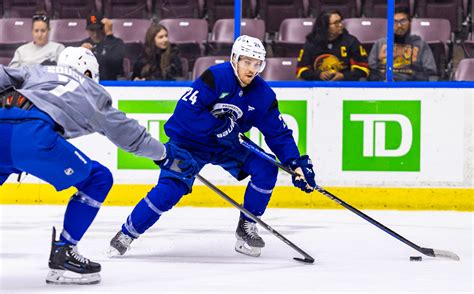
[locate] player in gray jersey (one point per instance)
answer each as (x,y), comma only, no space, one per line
(41,107)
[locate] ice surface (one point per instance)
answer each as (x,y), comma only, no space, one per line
(192,250)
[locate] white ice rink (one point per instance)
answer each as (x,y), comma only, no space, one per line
(192,250)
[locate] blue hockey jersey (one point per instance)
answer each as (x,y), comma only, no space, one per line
(217,90)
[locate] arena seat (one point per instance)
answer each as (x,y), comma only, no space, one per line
(177,9)
(222,36)
(22,8)
(128,8)
(446,9)
(348,8)
(72,8)
(132,32)
(222,9)
(203,63)
(378,8)
(5,60)
(280,69)
(13,33)
(367,30)
(465,70)
(292,36)
(273,12)
(70,32)
(468,46)
(189,35)
(437,33)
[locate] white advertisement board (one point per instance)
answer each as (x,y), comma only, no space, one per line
(393,137)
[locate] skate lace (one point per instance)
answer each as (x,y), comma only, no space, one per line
(76,255)
(251,230)
(125,239)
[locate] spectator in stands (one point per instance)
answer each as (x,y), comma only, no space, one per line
(40,50)
(331,53)
(412,57)
(159,60)
(108,49)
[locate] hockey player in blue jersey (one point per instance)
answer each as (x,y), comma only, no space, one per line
(226,100)
(41,107)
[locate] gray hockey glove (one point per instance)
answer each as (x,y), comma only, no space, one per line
(228,133)
(178,161)
(304,167)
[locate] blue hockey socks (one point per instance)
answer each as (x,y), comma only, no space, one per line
(147,212)
(260,188)
(85,203)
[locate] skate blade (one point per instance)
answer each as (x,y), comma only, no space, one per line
(244,248)
(64,277)
(112,252)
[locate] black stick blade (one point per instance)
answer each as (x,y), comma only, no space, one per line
(304,260)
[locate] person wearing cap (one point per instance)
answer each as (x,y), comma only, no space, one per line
(40,50)
(108,49)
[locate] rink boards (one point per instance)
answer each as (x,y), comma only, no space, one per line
(394,148)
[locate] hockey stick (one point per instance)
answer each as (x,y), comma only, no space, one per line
(247,143)
(307,258)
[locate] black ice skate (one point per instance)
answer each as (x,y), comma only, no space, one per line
(248,240)
(67,266)
(119,244)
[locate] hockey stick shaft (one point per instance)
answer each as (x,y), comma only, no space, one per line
(307,257)
(247,143)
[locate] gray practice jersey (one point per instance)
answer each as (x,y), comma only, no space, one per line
(80,106)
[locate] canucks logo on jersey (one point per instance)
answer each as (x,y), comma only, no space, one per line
(227,110)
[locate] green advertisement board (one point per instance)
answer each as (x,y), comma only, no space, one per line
(153,114)
(381,136)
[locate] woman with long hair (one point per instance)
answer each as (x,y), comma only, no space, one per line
(40,50)
(331,53)
(159,60)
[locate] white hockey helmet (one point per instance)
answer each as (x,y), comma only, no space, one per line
(80,59)
(250,47)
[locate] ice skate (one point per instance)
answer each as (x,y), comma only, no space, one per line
(119,244)
(248,241)
(68,267)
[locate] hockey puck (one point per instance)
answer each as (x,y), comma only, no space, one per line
(415,258)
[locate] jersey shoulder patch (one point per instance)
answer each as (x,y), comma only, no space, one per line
(208,78)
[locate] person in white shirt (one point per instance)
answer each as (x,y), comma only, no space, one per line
(40,50)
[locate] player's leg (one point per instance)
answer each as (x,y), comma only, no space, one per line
(257,195)
(160,199)
(40,151)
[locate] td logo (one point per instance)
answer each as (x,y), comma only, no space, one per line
(381,136)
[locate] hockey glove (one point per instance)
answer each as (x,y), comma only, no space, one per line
(304,168)
(228,133)
(178,161)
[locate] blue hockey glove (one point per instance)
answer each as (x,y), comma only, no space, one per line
(178,161)
(304,167)
(228,133)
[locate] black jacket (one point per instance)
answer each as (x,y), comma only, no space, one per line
(172,72)
(110,53)
(345,54)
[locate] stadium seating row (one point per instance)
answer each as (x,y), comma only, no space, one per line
(280,68)
(272,12)
(191,35)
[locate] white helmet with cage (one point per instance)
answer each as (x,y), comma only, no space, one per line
(249,47)
(80,59)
